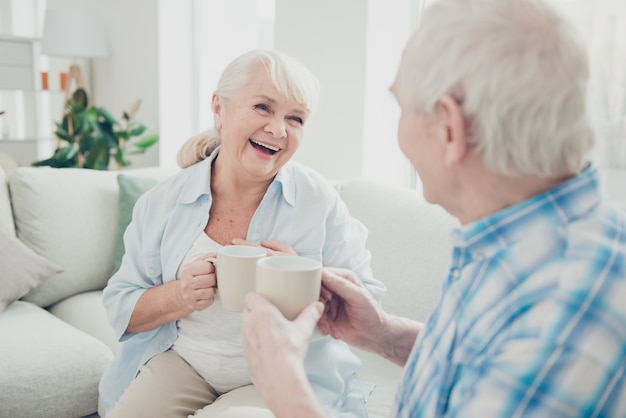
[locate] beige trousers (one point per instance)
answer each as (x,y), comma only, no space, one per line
(168,387)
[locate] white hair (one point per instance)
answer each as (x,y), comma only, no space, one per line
(292,80)
(519,71)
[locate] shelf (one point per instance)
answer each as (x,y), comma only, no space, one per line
(31,91)
(27,151)
(27,127)
(17,63)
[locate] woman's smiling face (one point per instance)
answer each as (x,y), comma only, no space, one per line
(260,129)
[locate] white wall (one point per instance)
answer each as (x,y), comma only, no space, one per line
(131,70)
(382,158)
(223,31)
(328,36)
(176,82)
(151,58)
(340,41)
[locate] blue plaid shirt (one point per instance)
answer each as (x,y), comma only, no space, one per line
(532,317)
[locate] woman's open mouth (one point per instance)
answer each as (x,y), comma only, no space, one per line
(263,147)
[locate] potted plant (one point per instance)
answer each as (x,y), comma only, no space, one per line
(89,137)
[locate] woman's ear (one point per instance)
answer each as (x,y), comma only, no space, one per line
(216,107)
(456,147)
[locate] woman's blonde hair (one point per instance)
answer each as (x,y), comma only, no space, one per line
(290,77)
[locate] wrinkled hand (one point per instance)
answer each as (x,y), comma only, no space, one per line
(275,347)
(272,247)
(351,313)
(196,284)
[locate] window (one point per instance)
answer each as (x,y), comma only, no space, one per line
(389,26)
(604,25)
(222,31)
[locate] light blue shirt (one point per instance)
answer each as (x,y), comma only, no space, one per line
(299,208)
(532,318)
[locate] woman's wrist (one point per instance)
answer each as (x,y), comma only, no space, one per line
(157,306)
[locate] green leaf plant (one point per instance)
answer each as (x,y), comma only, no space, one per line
(89,137)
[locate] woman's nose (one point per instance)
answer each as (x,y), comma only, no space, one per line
(277,127)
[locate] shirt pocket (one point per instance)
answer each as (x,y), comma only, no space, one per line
(152,265)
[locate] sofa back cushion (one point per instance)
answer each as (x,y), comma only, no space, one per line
(131,187)
(6,214)
(69,216)
(409,240)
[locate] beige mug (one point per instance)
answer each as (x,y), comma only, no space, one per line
(235,268)
(289,282)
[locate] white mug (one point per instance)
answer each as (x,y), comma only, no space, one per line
(289,282)
(235,268)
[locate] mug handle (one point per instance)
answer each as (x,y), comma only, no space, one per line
(213,260)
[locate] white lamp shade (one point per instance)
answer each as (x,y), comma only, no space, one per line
(73,33)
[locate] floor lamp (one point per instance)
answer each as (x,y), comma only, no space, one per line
(73,33)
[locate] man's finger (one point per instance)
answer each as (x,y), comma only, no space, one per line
(254,300)
(336,282)
(309,316)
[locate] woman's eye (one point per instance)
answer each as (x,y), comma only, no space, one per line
(297,119)
(262,107)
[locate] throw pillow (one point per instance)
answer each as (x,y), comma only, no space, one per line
(130,188)
(21,269)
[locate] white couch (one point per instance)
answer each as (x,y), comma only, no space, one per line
(55,342)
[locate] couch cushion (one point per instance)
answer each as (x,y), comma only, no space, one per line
(20,269)
(386,375)
(409,240)
(130,188)
(68,216)
(49,369)
(410,244)
(6,214)
(85,312)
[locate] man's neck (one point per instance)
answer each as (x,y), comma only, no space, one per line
(485,193)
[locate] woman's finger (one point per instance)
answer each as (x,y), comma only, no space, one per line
(279,247)
(240,241)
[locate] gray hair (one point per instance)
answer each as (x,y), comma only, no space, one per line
(292,80)
(519,71)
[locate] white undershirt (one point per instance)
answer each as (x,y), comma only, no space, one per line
(210,340)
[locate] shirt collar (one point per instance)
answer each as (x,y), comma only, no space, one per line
(557,206)
(198,181)
(285,178)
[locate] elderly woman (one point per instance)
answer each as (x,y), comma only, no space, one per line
(180,349)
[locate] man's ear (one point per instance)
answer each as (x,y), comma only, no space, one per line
(456,147)
(216,107)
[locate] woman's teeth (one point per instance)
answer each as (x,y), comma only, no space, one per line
(264,147)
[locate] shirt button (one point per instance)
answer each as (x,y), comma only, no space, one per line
(456,273)
(479,256)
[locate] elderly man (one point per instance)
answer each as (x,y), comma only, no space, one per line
(532,319)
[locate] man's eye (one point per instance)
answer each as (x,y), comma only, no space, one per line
(262,107)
